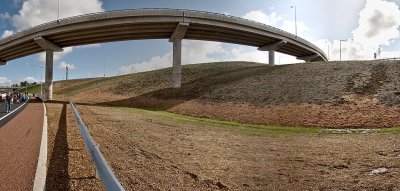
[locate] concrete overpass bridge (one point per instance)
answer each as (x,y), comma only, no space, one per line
(171,24)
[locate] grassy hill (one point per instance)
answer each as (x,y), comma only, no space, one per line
(354,94)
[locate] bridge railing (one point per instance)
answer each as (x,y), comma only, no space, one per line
(56,23)
(102,168)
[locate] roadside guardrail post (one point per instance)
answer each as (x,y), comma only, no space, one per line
(102,169)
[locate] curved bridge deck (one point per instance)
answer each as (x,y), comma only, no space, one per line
(171,24)
(156,24)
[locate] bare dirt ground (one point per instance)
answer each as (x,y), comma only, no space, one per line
(311,115)
(152,151)
(155,150)
(362,94)
(68,166)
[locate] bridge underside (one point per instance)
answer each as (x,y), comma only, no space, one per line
(174,25)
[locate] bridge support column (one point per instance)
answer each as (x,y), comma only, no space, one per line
(48,91)
(271,57)
(176,63)
(176,38)
(271,48)
(50,48)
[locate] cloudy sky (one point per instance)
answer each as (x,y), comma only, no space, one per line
(365,26)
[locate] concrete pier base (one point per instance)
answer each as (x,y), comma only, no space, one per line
(48,91)
(271,57)
(176,67)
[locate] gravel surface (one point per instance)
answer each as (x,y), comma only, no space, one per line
(353,94)
(19,147)
(153,151)
(69,166)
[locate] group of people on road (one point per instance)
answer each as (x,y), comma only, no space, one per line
(10,98)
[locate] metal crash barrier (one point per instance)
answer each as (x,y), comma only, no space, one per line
(102,168)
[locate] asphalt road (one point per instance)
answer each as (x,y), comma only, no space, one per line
(3,113)
(19,146)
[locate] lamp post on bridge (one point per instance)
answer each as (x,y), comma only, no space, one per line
(41,81)
(58,12)
(295,18)
(340,52)
(41,77)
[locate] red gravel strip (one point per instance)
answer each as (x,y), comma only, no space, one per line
(19,148)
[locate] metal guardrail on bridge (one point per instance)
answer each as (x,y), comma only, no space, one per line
(102,168)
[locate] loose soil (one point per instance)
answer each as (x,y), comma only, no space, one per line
(68,165)
(154,151)
(362,94)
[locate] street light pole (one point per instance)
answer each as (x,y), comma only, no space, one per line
(58,12)
(41,77)
(340,52)
(41,82)
(295,18)
(341,47)
(66,72)
(328,51)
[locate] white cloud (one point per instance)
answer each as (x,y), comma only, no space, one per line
(289,26)
(276,20)
(57,55)
(261,17)
(35,12)
(285,59)
(89,46)
(156,62)
(63,65)
(378,27)
(4,82)
(390,54)
(199,51)
(5,16)
(29,79)
(238,54)
(7,33)
(378,24)
(192,52)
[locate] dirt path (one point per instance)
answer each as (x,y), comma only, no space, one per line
(153,151)
(69,166)
(19,148)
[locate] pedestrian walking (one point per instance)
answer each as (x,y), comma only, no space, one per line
(8,102)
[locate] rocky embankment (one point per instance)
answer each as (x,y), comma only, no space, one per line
(352,94)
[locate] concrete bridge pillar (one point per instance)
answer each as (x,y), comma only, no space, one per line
(271,57)
(176,63)
(50,48)
(48,90)
(271,48)
(176,39)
